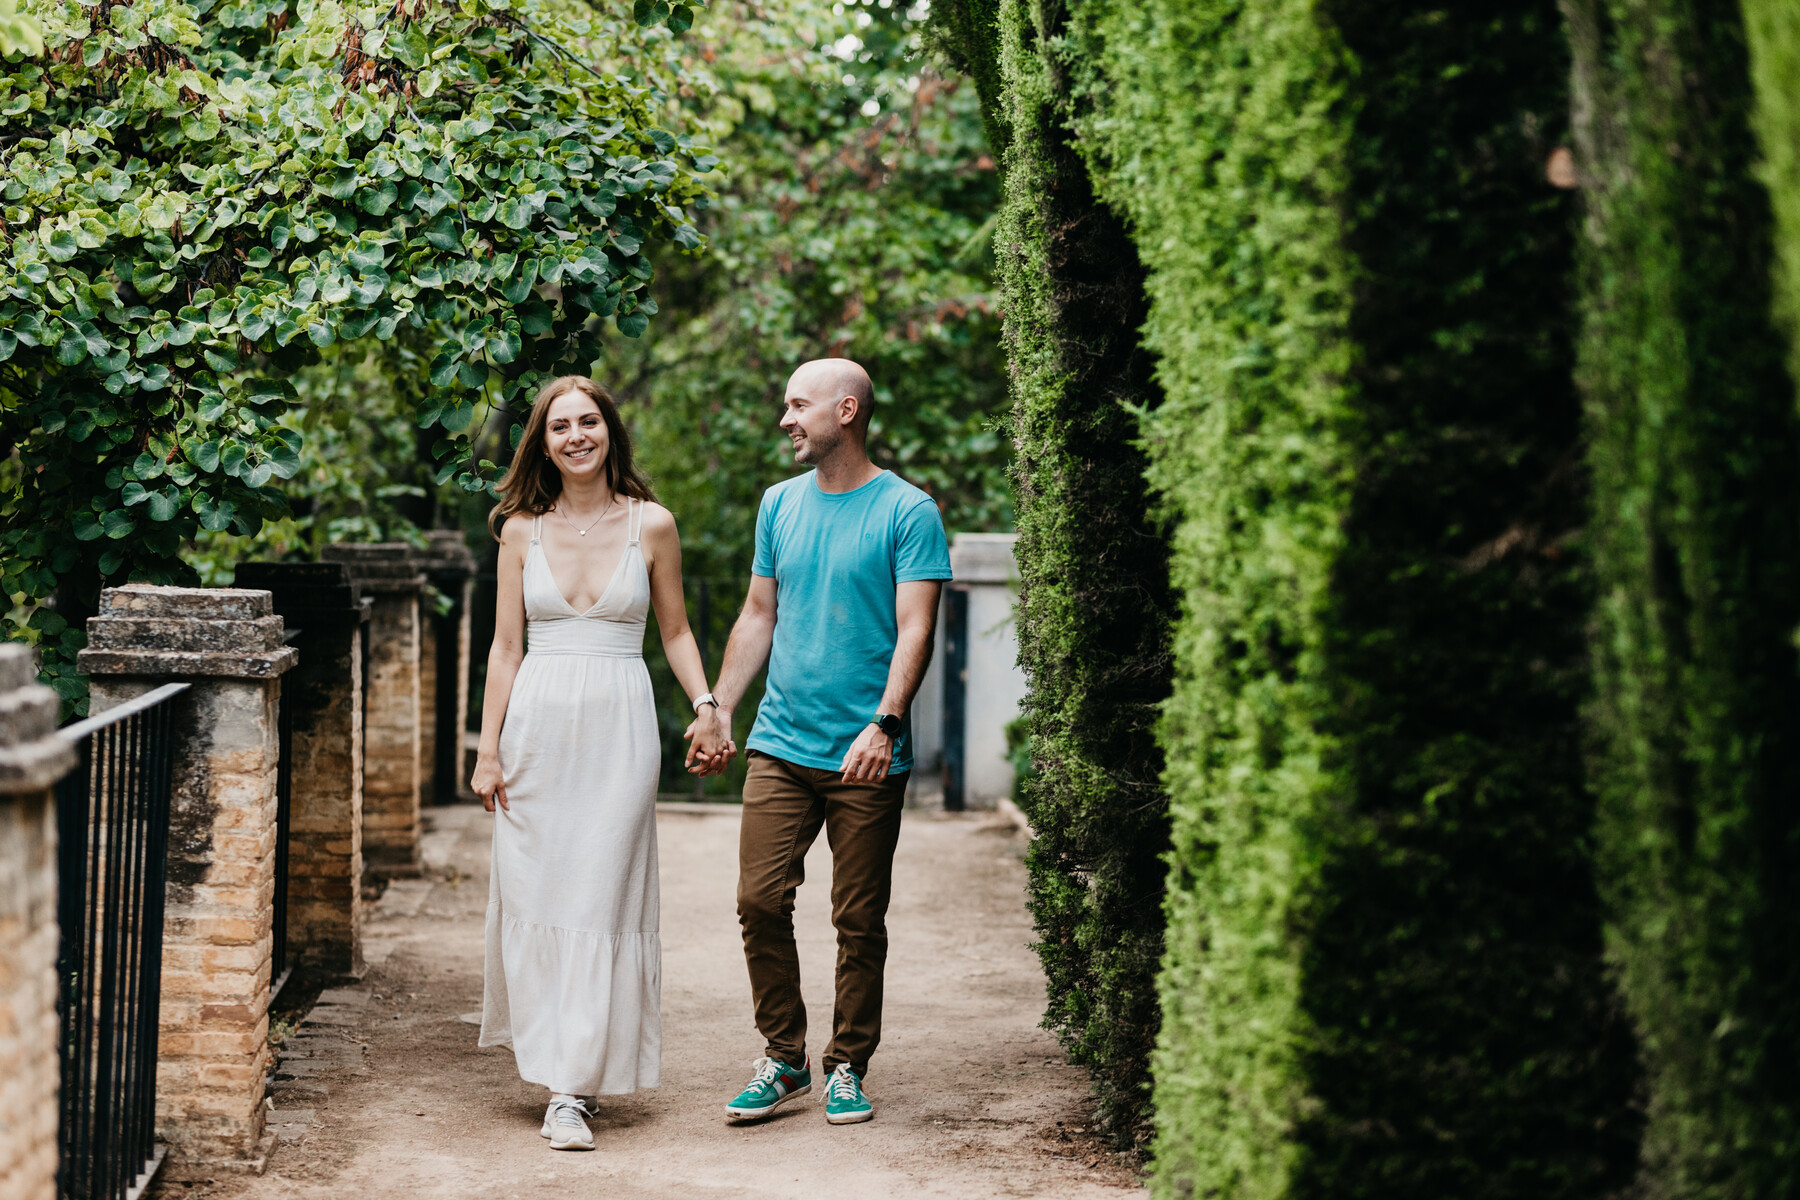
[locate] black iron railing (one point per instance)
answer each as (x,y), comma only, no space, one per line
(284,805)
(113,826)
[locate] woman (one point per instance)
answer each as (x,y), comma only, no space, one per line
(570,755)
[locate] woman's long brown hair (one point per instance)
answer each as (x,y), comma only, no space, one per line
(532,484)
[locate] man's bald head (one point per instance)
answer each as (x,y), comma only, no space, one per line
(826,411)
(829,380)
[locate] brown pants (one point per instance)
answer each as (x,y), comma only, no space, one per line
(784,806)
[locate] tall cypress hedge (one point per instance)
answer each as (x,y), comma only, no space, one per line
(1384,974)
(1772,29)
(1696,533)
(1095,605)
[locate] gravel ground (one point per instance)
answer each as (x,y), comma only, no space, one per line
(382,1092)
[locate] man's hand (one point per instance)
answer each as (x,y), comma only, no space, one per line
(710,748)
(869,757)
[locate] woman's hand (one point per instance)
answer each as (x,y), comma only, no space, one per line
(710,747)
(488,782)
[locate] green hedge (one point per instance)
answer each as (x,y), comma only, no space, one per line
(1384,973)
(1695,457)
(1095,605)
(1772,29)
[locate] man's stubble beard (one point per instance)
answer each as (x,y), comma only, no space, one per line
(812,450)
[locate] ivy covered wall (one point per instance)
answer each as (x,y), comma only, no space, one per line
(1094,601)
(1384,971)
(1696,549)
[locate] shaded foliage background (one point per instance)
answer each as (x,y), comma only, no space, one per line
(853,219)
(200,198)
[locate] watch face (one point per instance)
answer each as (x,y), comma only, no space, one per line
(889,724)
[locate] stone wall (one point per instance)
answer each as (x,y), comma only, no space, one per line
(322,607)
(217,934)
(325,824)
(429,628)
(32,758)
(444,675)
(392,725)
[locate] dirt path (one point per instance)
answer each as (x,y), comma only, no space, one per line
(383,1092)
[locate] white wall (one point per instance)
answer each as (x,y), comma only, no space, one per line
(983,563)
(926,787)
(996,686)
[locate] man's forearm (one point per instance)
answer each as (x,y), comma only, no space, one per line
(745,655)
(912,654)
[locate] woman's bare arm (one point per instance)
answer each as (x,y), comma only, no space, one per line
(504,657)
(662,554)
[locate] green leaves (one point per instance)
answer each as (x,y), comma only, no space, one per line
(200,126)
(204,455)
(443,370)
(215,515)
(341,183)
(678,17)
(239,209)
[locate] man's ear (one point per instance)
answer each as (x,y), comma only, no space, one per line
(846,408)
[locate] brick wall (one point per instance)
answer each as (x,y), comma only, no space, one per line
(28,1029)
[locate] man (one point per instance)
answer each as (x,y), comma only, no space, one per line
(842,605)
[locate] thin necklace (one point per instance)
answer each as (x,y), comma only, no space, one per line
(592,523)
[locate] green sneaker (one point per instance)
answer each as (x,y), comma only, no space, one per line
(845,1103)
(775,1084)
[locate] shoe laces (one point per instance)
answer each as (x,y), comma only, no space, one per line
(568,1113)
(768,1070)
(844,1083)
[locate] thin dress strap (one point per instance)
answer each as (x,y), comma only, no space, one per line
(634,521)
(537,528)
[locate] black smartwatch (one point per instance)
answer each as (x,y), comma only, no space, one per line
(888,723)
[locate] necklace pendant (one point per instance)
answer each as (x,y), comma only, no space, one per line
(583,532)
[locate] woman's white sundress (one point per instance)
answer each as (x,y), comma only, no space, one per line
(574,960)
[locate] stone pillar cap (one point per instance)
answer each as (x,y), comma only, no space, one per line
(367,552)
(304,592)
(32,756)
(378,566)
(984,558)
(448,553)
(157,632)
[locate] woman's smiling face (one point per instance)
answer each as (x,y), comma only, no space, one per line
(575,436)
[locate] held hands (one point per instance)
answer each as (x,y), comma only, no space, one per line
(869,757)
(710,748)
(488,782)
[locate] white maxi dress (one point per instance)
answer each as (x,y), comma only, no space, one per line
(573,978)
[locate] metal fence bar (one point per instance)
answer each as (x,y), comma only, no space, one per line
(113,825)
(284,806)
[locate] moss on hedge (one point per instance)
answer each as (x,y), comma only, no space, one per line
(1696,544)
(1094,603)
(1772,29)
(967,33)
(1384,971)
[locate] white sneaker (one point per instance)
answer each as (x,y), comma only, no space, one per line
(566,1127)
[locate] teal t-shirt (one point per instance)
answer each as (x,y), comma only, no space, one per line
(835,558)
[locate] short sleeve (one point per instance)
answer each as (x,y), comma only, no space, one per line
(921,550)
(764,561)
